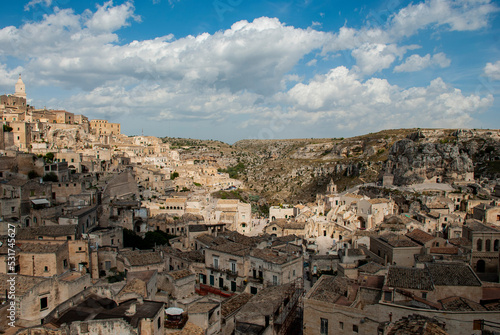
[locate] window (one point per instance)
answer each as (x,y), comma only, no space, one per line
(324,327)
(46,269)
(43,303)
(479,245)
(233,267)
(275,280)
(108,265)
(216,262)
(65,263)
(341,325)
(487,245)
(32,193)
(495,245)
(274,228)
(159,322)
(424,295)
(84,327)
(355,328)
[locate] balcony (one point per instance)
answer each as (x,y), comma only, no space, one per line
(214,267)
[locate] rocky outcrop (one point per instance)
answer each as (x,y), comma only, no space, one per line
(413,162)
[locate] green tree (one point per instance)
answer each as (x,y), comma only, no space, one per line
(49,157)
(51,177)
(32,174)
(6,128)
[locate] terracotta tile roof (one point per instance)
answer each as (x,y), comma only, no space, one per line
(444,250)
(232,248)
(409,278)
(329,288)
(42,248)
(420,236)
(49,231)
(270,256)
(371,267)
(460,242)
(417,325)
(397,241)
(139,257)
(460,304)
(478,226)
(452,274)
(235,303)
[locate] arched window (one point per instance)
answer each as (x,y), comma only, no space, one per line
(479,246)
(274,228)
(487,245)
(495,245)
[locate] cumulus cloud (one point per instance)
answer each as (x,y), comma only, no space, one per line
(371,57)
(8,78)
(250,55)
(247,70)
(459,15)
(417,63)
(492,70)
(109,18)
(33,3)
(341,97)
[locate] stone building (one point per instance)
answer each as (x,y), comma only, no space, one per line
(485,241)
(36,297)
(394,249)
(43,260)
(103,127)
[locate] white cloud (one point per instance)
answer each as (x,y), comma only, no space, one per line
(492,70)
(109,18)
(458,15)
(247,70)
(251,55)
(341,97)
(371,57)
(417,63)
(33,3)
(8,78)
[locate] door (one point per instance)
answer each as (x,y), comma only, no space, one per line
(212,280)
(233,286)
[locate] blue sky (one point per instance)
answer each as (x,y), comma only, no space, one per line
(236,69)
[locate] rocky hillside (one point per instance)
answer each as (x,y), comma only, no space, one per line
(295,170)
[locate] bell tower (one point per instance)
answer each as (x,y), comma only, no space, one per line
(331,188)
(20,88)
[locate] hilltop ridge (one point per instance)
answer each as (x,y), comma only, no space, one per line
(294,170)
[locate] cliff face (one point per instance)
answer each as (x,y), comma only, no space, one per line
(447,155)
(296,170)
